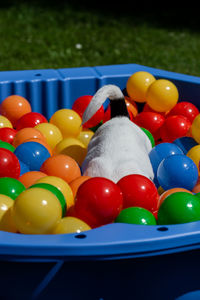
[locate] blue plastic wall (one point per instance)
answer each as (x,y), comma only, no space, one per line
(49,90)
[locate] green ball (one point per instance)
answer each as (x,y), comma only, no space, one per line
(179,208)
(150,136)
(136,215)
(7,146)
(11,187)
(56,192)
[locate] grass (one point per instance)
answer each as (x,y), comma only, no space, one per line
(61,34)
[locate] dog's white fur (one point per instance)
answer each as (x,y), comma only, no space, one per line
(118,147)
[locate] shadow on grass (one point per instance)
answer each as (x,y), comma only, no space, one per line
(168,17)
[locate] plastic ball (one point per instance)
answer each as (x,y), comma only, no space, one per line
(72,147)
(136,215)
(85,136)
(36,211)
(174,127)
(137,85)
(186,109)
(30,119)
(62,166)
(151,121)
(7,146)
(5,122)
(51,133)
(26,133)
(165,194)
(195,129)
(185,143)
(98,201)
(131,107)
(150,136)
(162,95)
(42,142)
(179,208)
(138,190)
(177,171)
(23,168)
(33,154)
(147,108)
(29,178)
(7,134)
(70,225)
(14,107)
(80,105)
(6,219)
(11,187)
(62,185)
(194,154)
(10,166)
(161,151)
(196,188)
(68,121)
(56,192)
(75,184)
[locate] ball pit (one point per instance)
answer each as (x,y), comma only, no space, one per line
(151,250)
(48,154)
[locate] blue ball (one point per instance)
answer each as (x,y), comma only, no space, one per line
(177,171)
(159,152)
(185,143)
(23,168)
(32,154)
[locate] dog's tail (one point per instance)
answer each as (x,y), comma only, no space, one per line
(117,102)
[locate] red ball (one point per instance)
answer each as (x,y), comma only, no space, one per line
(80,105)
(151,121)
(186,109)
(148,108)
(30,119)
(7,134)
(140,191)
(10,166)
(98,201)
(174,127)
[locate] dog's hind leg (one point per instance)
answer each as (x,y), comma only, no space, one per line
(99,167)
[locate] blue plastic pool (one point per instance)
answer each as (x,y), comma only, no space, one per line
(116,261)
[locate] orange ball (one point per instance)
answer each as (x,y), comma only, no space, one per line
(196,188)
(164,195)
(74,184)
(61,165)
(29,178)
(14,107)
(25,134)
(131,106)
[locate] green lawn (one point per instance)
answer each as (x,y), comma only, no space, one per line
(61,34)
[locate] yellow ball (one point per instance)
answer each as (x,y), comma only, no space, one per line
(70,225)
(36,211)
(68,121)
(194,154)
(85,136)
(62,185)
(6,218)
(51,133)
(137,85)
(72,147)
(4,122)
(162,95)
(195,129)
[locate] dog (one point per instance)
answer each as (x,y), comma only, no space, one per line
(119,147)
